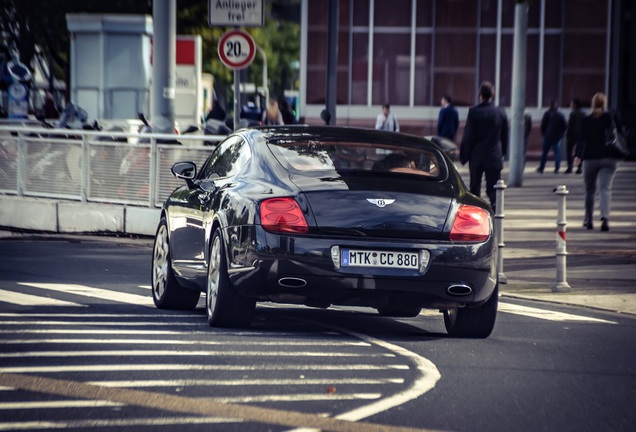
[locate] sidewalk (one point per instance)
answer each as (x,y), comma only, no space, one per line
(601,266)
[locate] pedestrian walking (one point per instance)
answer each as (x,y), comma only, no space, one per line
(272,115)
(598,165)
(572,134)
(386,120)
(553,127)
(448,119)
(485,142)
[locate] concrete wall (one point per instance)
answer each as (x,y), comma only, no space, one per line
(38,214)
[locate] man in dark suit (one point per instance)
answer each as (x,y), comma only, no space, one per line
(485,142)
(553,126)
(448,120)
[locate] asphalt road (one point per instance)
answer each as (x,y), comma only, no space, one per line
(82,347)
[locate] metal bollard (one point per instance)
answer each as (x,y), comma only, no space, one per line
(561,285)
(499,229)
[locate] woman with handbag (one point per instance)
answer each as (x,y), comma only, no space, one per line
(599,160)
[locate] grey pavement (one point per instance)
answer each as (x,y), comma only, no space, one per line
(601,266)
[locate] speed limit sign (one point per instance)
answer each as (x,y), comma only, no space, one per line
(236,49)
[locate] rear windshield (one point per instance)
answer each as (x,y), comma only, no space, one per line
(388,159)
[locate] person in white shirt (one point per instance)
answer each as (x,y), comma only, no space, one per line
(386,120)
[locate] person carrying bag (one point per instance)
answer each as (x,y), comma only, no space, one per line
(597,149)
(615,144)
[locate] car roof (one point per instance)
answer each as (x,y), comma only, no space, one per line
(334,133)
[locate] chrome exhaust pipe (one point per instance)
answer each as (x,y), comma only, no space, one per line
(459,290)
(292,282)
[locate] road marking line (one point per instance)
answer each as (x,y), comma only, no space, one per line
(88,315)
(138,332)
(299,397)
(33,300)
(247,382)
(428,375)
(98,293)
(96,331)
(57,404)
(241,399)
(200,367)
(547,314)
(190,405)
(150,353)
(77,424)
(100,323)
(182,342)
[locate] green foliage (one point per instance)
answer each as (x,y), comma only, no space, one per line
(280,40)
(43,22)
(27,23)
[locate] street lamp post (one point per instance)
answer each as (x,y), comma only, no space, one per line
(264,84)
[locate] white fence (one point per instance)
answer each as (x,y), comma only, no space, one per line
(95,167)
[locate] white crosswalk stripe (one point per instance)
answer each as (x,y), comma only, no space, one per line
(549,315)
(99,293)
(202,367)
(32,300)
(125,335)
(145,300)
(101,423)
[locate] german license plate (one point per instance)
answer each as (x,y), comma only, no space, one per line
(379,259)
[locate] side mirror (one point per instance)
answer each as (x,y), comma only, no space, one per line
(184,170)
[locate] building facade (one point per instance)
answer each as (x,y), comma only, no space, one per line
(409,53)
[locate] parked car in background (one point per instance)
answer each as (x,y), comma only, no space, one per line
(326,216)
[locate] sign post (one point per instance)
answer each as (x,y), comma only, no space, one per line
(236,50)
(235,13)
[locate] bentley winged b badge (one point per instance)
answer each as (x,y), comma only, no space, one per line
(381,202)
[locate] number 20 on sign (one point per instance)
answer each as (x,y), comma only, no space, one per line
(236,49)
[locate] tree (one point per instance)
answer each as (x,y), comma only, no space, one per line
(25,24)
(279,38)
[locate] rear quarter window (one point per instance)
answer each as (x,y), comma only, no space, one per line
(385,159)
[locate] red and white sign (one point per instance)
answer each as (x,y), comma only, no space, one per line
(236,49)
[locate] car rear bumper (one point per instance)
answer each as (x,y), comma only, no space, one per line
(300,269)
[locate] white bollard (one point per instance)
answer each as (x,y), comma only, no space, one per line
(561,285)
(499,229)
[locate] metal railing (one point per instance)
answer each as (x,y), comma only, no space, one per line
(96,166)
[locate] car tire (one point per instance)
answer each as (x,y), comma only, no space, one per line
(166,291)
(477,322)
(225,307)
(403,311)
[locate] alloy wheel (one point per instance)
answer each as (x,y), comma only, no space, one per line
(160,262)
(214,275)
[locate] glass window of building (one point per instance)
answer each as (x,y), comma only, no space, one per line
(411,52)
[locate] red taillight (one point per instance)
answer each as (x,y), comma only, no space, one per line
(283,215)
(472,224)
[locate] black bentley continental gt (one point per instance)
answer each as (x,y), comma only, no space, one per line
(326,216)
